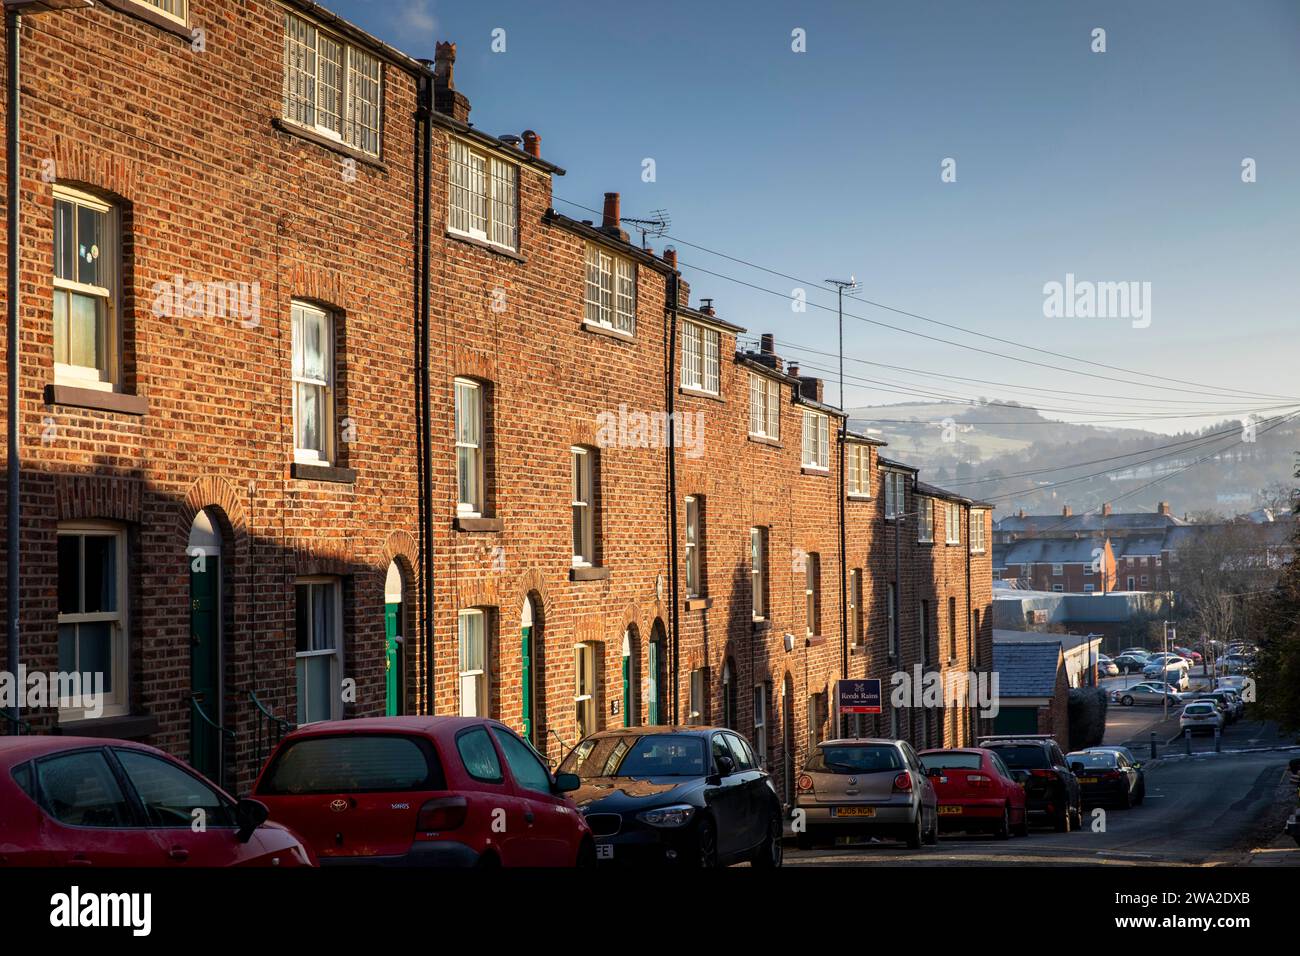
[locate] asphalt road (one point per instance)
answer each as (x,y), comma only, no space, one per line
(1208,809)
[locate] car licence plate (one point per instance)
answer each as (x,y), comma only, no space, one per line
(1087,779)
(604,851)
(949,811)
(853,811)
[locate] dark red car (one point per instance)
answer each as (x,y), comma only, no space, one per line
(976,791)
(424,791)
(74,801)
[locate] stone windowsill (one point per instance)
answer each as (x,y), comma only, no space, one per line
(93,398)
(340,476)
(816,640)
(819,472)
(699,603)
(478,524)
(764,440)
(485,245)
(343,149)
(588,574)
(699,393)
(608,333)
(127,727)
(150,15)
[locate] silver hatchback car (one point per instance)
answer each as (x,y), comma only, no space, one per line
(865,787)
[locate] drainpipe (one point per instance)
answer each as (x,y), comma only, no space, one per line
(971,637)
(840,722)
(13,25)
(673,279)
(425,150)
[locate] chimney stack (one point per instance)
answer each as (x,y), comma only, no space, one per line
(1066,512)
(706,307)
(793,370)
(445,97)
(1105,510)
(532,143)
(1021,513)
(611,217)
(1163,508)
(670,257)
(767,343)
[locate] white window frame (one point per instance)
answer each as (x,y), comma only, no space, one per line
(895,495)
(859,462)
(116,703)
(470,441)
(812,592)
(977,531)
(694,571)
(760,724)
(610,291)
(758,573)
(482,196)
(177,10)
(300,312)
(109,325)
(764,407)
(1089,588)
(582,489)
(334,652)
(308,74)
(924,520)
(586,707)
(857,616)
(1057,570)
(701,364)
(472,625)
(816,441)
(952,523)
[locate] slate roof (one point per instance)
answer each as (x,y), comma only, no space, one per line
(1119,521)
(1050,551)
(1026,670)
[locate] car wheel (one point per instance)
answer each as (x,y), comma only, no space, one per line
(1022,828)
(1076,818)
(1127,700)
(706,844)
(770,852)
(1003,829)
(1142,792)
(1061,822)
(489,861)
(803,841)
(917,836)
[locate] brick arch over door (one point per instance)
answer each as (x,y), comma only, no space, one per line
(217,494)
(76,162)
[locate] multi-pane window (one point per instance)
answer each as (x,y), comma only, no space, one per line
(330,86)
(816,446)
(319,650)
(483,196)
(857,630)
(761,695)
(859,467)
(175,9)
(764,407)
(584,689)
(611,290)
(812,592)
(700,358)
(584,519)
(895,502)
(473,639)
(699,688)
(977,532)
(925,519)
(92,613)
(313,384)
(85,282)
(469,447)
(694,575)
(952,522)
(758,571)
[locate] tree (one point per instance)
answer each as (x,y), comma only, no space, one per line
(1276,619)
(1215,574)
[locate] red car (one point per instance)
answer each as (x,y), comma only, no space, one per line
(81,801)
(424,791)
(976,791)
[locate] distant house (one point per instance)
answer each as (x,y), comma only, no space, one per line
(1033,690)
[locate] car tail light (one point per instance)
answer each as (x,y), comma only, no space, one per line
(903,782)
(805,783)
(442,813)
(978,780)
(1045,774)
(1112,775)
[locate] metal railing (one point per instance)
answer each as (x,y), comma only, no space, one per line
(269,729)
(196,708)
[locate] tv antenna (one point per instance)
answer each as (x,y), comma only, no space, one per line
(656,224)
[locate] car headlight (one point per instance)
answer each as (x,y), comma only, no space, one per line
(675,816)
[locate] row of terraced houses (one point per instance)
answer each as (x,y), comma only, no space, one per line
(327,412)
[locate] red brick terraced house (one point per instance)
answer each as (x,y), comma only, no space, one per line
(310,434)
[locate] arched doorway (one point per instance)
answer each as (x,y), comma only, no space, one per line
(206,710)
(631,682)
(529,636)
(787,740)
(394,641)
(655,663)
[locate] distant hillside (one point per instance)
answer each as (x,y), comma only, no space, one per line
(955,444)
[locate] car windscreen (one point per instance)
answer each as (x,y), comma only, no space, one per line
(1092,761)
(951,760)
(1206,708)
(850,758)
(1022,756)
(637,755)
(355,763)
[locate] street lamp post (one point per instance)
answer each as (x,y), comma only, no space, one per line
(14,11)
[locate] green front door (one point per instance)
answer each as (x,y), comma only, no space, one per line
(205,665)
(652,687)
(1016,720)
(526,679)
(392,660)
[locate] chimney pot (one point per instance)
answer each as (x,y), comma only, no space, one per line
(794,370)
(706,306)
(611,217)
(670,257)
(1066,512)
(1164,507)
(446,99)
(532,143)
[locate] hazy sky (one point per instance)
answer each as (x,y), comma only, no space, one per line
(1114,167)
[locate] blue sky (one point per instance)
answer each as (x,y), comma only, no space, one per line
(1115,166)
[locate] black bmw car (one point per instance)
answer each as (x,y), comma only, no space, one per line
(689,795)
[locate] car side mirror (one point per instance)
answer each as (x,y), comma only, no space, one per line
(566,782)
(726,765)
(249,815)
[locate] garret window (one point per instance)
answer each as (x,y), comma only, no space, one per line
(483,196)
(611,291)
(816,444)
(332,88)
